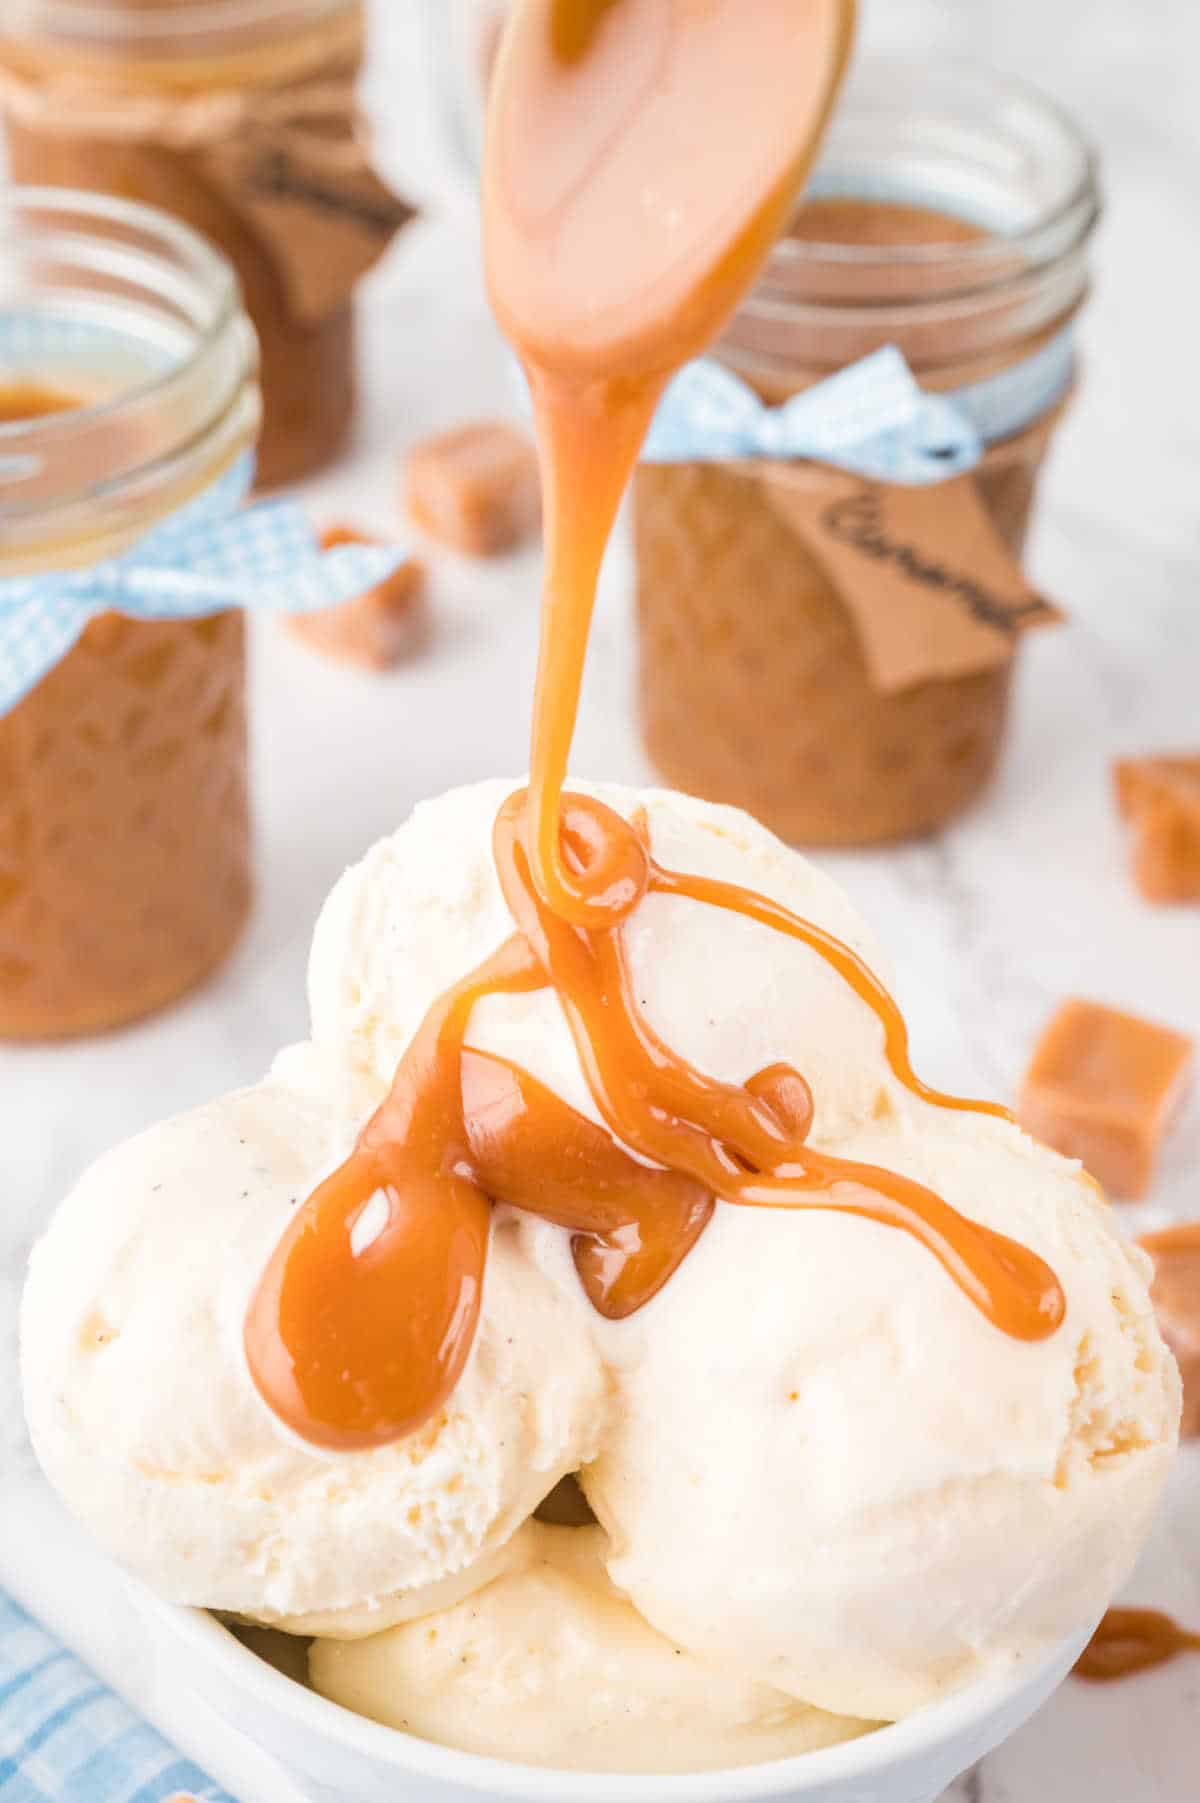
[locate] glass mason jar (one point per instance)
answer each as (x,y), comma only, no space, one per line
(950,215)
(236,116)
(128,385)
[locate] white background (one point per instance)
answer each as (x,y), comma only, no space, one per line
(1025,902)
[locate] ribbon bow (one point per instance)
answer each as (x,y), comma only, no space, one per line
(211,555)
(872,418)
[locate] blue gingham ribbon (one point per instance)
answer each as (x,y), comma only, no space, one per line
(64,1738)
(872,418)
(211,555)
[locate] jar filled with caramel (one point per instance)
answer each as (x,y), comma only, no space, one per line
(239,117)
(128,401)
(950,217)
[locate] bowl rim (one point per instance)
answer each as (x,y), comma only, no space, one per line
(914,1737)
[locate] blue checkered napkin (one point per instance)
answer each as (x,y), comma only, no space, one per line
(64,1738)
(212,555)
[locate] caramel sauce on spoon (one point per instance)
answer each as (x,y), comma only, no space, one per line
(642,156)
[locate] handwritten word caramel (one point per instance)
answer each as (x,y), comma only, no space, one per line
(366,1314)
(1133,1640)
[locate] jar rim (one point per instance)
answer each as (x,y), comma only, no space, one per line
(953,138)
(202,19)
(204,260)
(1081,198)
(184,410)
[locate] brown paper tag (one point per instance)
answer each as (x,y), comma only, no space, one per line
(316,203)
(932,588)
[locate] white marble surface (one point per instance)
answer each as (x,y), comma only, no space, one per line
(1026,901)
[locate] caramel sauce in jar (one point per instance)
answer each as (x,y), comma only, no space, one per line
(754,687)
(135,61)
(365,1316)
(32,400)
(124,829)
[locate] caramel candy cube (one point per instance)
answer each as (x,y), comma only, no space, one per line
(1139,781)
(1161,798)
(1176,1294)
(374,630)
(1166,852)
(476,488)
(1102,1087)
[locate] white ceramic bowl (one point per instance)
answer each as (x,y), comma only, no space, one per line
(338,1757)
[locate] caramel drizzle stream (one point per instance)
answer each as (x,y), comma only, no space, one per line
(590,435)
(848,965)
(363,1321)
(1130,1641)
(355,1341)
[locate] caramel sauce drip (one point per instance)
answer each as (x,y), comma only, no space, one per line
(365,1316)
(744,1143)
(21,401)
(1133,1640)
(356,1341)
(362,1322)
(607,284)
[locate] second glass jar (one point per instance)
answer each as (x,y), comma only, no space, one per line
(950,215)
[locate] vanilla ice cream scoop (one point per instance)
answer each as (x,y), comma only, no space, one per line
(826,1466)
(143,1414)
(550,1665)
